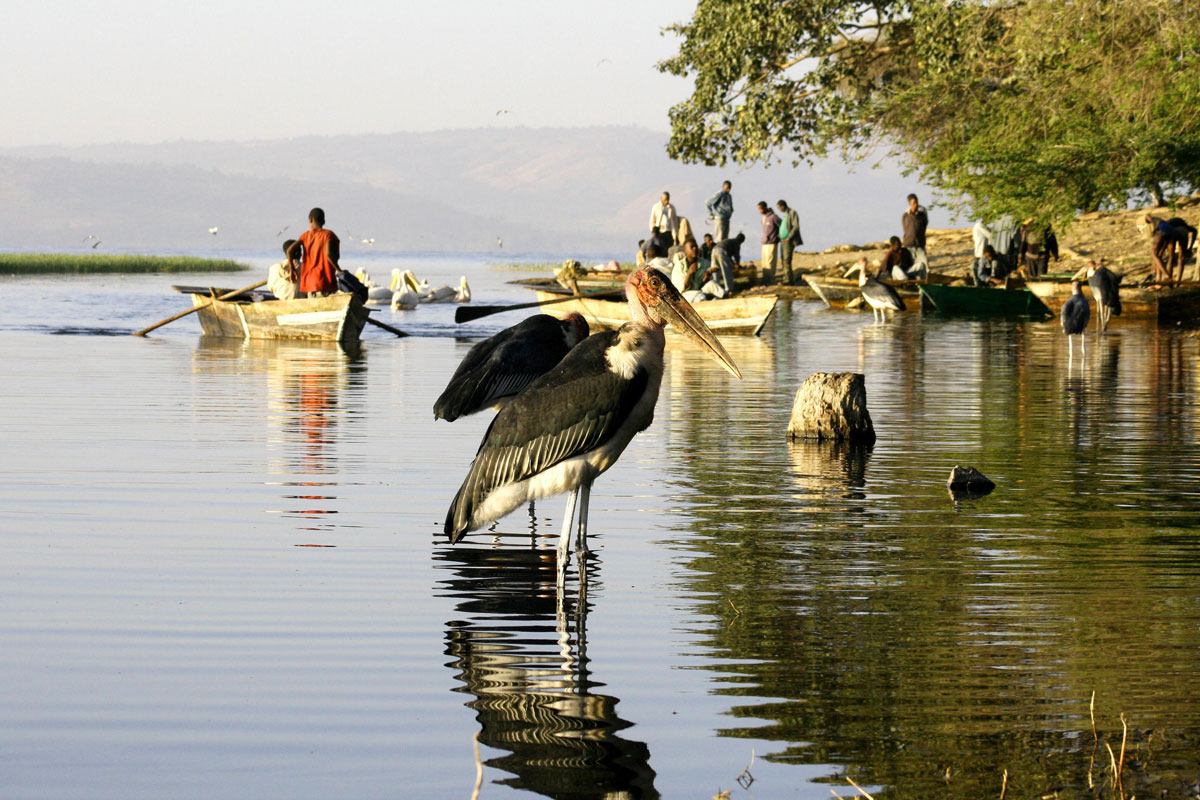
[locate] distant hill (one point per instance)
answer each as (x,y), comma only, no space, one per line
(561,190)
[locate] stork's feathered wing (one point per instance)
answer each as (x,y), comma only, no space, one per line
(505,364)
(573,423)
(565,429)
(1106,288)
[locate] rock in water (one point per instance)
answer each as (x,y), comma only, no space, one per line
(969,480)
(832,405)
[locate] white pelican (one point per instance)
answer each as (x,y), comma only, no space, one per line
(404,297)
(448,294)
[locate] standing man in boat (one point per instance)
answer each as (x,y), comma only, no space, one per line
(322,251)
(913,223)
(720,210)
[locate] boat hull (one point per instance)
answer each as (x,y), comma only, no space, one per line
(984,301)
(336,318)
(734,316)
(1166,303)
(838,292)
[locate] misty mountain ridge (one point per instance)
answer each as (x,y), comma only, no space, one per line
(565,190)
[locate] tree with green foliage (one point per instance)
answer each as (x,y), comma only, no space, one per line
(1036,107)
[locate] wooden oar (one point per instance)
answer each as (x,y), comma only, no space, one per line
(194,309)
(386,327)
(468,313)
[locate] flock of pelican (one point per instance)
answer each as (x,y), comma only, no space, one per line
(405,292)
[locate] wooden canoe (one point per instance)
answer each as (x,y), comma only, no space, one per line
(836,292)
(984,301)
(336,318)
(1180,302)
(744,316)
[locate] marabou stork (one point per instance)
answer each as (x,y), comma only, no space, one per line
(574,422)
(879,296)
(1106,289)
(1075,315)
(503,365)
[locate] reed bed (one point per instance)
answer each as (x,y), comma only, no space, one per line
(64,263)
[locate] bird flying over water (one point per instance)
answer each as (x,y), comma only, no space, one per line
(282,230)
(213,231)
(574,422)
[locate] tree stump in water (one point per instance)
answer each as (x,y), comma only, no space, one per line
(832,405)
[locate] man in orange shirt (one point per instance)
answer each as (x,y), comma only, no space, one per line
(322,250)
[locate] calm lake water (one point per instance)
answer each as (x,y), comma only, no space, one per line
(224,577)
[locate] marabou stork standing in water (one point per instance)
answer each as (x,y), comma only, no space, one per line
(1075,315)
(1106,289)
(879,296)
(574,422)
(503,365)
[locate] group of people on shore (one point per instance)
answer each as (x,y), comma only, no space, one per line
(703,270)
(1004,248)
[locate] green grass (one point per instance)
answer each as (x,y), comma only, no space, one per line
(55,263)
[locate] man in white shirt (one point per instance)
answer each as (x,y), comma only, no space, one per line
(280,279)
(664,219)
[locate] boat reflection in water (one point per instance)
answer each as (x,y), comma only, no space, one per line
(523,657)
(313,390)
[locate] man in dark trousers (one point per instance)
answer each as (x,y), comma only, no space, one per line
(913,223)
(789,238)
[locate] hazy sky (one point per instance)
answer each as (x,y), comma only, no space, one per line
(132,70)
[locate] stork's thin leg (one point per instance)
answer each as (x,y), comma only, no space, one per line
(1083,339)
(585,494)
(564,538)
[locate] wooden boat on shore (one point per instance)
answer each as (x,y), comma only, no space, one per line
(742,316)
(335,318)
(1160,302)
(836,291)
(983,301)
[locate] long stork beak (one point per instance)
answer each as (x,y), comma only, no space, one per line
(679,313)
(852,270)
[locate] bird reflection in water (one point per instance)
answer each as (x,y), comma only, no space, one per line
(520,648)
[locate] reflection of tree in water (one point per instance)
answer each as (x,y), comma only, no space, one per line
(879,629)
(526,664)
